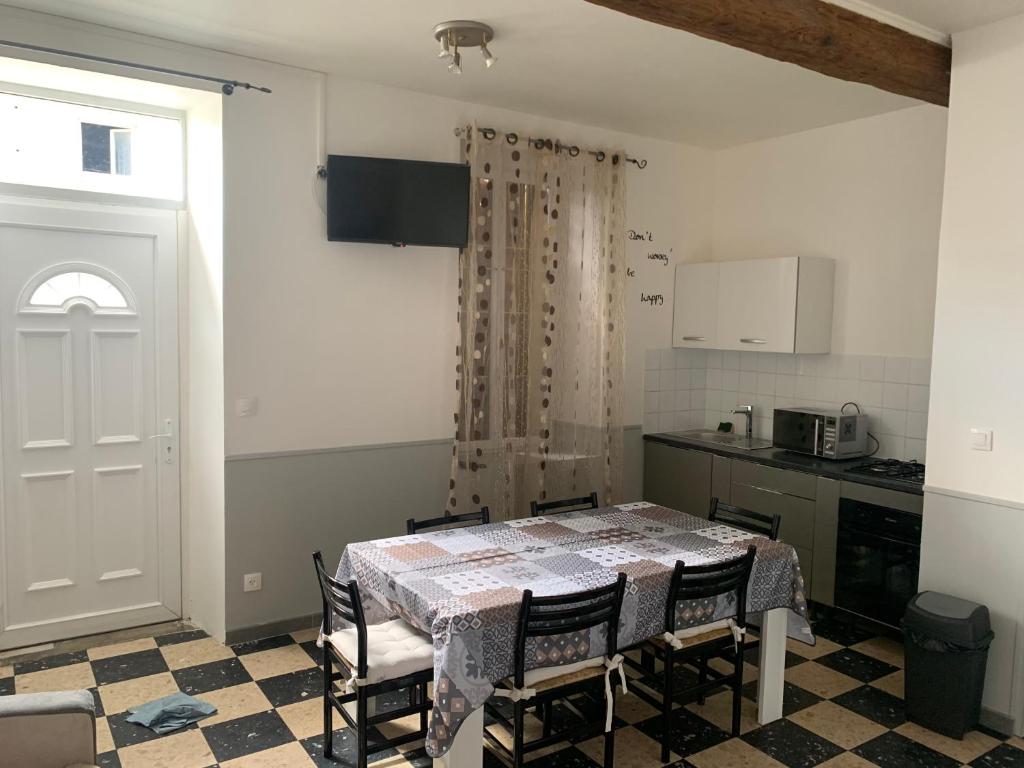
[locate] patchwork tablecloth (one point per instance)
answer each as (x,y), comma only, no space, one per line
(465,587)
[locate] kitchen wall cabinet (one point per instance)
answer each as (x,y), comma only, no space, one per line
(695,318)
(677,478)
(760,305)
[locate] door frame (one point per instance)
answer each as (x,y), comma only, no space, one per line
(84,217)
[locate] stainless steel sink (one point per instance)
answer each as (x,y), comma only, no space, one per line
(723,438)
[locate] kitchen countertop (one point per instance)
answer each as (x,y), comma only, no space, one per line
(775,457)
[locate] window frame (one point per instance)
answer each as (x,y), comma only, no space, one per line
(87,196)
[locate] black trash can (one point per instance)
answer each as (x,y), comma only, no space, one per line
(947,642)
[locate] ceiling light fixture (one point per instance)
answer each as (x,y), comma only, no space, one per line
(453,35)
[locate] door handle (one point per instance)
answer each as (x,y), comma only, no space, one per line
(695,338)
(167,434)
(753,341)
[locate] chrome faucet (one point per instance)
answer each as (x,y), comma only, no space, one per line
(748,411)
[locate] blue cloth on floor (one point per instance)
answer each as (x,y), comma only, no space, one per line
(170,713)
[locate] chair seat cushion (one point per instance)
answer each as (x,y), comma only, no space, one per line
(535,678)
(393,649)
(694,636)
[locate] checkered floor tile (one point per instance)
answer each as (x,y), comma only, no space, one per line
(843,709)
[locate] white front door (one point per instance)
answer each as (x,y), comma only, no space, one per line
(89,502)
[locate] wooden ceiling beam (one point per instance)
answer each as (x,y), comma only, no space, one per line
(812,34)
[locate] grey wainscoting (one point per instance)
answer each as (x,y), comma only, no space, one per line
(280,508)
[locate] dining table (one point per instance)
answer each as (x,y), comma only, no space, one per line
(464,587)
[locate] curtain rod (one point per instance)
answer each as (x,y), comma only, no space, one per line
(227,87)
(556,144)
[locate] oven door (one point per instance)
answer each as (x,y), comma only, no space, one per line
(798,431)
(877,560)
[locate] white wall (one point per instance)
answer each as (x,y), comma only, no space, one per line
(973,513)
(866,193)
(979,350)
(202,363)
(352,344)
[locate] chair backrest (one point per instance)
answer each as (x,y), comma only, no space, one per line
(483,517)
(342,600)
(560,614)
(745,519)
(700,582)
(564,505)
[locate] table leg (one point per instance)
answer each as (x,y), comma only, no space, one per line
(773,665)
(467,751)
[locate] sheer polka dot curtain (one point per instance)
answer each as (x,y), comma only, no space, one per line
(539,365)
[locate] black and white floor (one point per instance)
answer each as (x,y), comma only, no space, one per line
(843,709)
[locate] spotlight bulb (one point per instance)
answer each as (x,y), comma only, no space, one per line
(443,40)
(488,56)
(455,67)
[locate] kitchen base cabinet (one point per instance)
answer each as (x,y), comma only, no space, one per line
(788,494)
(677,478)
(826,531)
(721,479)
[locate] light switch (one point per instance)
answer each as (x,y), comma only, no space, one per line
(981,439)
(246,406)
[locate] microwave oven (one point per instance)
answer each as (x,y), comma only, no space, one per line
(828,434)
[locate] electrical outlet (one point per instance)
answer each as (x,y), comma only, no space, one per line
(252,582)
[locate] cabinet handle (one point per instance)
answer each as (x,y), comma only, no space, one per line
(768,490)
(753,341)
(695,338)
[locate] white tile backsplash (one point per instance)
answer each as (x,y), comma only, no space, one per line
(914,449)
(917,398)
(917,425)
(872,368)
(897,369)
(894,395)
(696,388)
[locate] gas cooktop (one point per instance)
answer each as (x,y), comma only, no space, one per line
(908,471)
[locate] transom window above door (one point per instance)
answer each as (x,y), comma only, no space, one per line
(70,286)
(58,144)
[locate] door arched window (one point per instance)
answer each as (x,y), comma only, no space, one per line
(60,288)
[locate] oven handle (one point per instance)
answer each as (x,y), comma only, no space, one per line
(817,422)
(862,534)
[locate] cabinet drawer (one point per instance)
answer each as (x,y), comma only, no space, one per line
(797,514)
(677,478)
(774,479)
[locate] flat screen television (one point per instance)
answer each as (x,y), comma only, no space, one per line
(399,202)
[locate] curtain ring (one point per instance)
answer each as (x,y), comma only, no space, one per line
(574,151)
(538,143)
(599,155)
(615,159)
(488,133)
(512,138)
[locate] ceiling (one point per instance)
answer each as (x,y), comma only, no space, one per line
(566,59)
(951,16)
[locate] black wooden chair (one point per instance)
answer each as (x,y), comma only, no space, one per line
(553,618)
(752,522)
(373,659)
(564,505)
(697,644)
(745,519)
(445,522)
